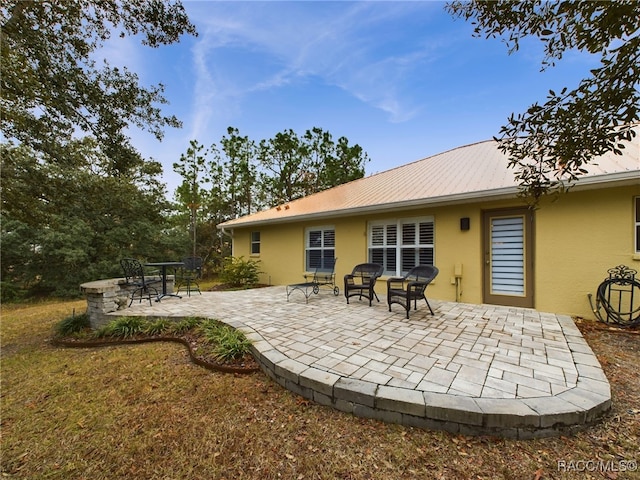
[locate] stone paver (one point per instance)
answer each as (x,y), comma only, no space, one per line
(473,369)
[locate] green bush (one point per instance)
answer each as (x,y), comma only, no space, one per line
(9,292)
(72,325)
(184,325)
(239,272)
(229,343)
(123,327)
(157,326)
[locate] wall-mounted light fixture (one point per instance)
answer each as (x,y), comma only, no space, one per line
(465,224)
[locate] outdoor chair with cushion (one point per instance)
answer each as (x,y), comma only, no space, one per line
(362,280)
(189,275)
(412,286)
(140,286)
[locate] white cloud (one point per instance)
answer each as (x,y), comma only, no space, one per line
(343,44)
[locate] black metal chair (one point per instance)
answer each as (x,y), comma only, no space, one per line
(362,280)
(189,275)
(412,286)
(136,281)
(324,277)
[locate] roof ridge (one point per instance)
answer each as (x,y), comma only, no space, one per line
(427,158)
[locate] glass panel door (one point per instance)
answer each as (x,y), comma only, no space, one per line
(508,259)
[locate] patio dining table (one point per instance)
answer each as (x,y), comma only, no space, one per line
(163,266)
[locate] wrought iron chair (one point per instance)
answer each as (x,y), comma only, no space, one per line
(362,280)
(412,286)
(190,273)
(136,281)
(324,277)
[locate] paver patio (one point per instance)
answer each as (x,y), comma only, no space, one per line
(472,369)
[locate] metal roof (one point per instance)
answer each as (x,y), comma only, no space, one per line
(463,174)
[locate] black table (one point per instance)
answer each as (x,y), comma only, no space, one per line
(304,287)
(164,266)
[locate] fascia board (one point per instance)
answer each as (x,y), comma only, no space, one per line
(501,193)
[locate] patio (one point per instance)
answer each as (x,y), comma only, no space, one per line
(470,369)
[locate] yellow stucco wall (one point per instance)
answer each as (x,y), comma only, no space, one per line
(577,238)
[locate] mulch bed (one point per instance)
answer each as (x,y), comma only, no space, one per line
(198,352)
(225,287)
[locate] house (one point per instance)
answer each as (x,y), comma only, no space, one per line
(460,210)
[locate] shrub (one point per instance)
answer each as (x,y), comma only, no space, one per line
(9,292)
(229,343)
(123,327)
(72,325)
(184,325)
(157,326)
(239,272)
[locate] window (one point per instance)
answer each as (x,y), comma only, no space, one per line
(399,245)
(637,224)
(320,248)
(255,243)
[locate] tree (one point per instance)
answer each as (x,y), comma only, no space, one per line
(295,166)
(239,164)
(52,88)
(192,168)
(333,164)
(286,175)
(63,225)
(550,144)
(76,195)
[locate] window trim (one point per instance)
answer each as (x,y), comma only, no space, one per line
(254,243)
(322,248)
(398,245)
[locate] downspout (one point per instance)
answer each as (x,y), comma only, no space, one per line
(225,232)
(230,235)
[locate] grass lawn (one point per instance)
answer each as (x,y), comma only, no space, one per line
(147,412)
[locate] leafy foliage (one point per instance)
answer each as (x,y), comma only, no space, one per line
(53,89)
(240,176)
(63,225)
(72,325)
(551,143)
(185,325)
(76,195)
(157,326)
(230,343)
(123,327)
(239,272)
(295,167)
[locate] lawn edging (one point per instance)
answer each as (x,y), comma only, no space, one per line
(218,367)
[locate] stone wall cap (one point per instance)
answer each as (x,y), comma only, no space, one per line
(102,286)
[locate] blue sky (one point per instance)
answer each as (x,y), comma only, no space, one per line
(404,80)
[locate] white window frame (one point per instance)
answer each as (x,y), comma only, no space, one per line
(325,245)
(392,237)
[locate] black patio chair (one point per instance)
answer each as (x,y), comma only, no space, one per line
(412,286)
(189,275)
(324,277)
(362,280)
(135,279)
